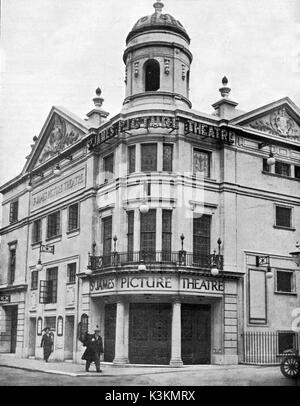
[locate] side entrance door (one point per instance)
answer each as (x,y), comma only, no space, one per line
(195,334)
(110,332)
(13,329)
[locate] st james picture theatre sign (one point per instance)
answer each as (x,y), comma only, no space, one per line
(156,283)
(221,134)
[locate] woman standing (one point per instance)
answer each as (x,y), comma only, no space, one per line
(47,343)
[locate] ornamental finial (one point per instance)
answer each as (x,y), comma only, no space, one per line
(225,90)
(158,5)
(98,100)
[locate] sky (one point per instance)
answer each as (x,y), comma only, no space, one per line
(57,52)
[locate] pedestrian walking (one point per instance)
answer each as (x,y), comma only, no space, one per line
(94,348)
(47,343)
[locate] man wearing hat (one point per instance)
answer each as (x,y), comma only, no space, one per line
(47,343)
(94,347)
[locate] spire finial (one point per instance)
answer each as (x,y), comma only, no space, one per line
(98,100)
(158,5)
(225,90)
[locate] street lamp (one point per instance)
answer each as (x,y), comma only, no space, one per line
(296,254)
(43,248)
(216,260)
(264,260)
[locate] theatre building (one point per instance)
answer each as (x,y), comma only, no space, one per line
(168,228)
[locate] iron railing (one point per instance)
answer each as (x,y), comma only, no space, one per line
(267,347)
(178,258)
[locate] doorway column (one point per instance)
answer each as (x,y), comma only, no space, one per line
(176,360)
(121,353)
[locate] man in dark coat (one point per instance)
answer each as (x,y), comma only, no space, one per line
(47,343)
(94,347)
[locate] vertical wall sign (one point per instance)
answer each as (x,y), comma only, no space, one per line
(60,326)
(39,326)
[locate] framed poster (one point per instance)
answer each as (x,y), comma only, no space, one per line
(60,326)
(39,326)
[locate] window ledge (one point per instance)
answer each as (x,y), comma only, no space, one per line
(277,175)
(285,293)
(285,228)
(50,306)
(35,244)
(56,237)
(73,233)
(71,283)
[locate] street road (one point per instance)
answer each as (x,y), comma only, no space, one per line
(237,375)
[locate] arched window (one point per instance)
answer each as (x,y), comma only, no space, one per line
(152,75)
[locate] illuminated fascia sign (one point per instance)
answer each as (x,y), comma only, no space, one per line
(163,284)
(190,126)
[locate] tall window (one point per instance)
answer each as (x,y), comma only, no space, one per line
(71,272)
(201,239)
(166,234)
(13,213)
(34,280)
(108,164)
(51,277)
(107,236)
(130,234)
(297,172)
(37,231)
(152,75)
(148,234)
(283,216)
(53,224)
(266,167)
(131,159)
(73,217)
(149,157)
(167,157)
(282,168)
(12,264)
(201,163)
(284,281)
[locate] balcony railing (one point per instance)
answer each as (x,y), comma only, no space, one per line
(178,258)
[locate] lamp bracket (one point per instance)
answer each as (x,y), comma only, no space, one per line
(262,260)
(263,144)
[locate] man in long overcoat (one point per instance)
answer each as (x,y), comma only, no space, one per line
(94,347)
(47,343)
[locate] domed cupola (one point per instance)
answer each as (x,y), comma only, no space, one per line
(157,60)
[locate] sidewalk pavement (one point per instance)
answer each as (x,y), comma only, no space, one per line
(108,369)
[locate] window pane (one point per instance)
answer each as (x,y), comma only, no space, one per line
(149,157)
(109,166)
(130,218)
(166,231)
(53,227)
(283,216)
(201,239)
(284,281)
(107,236)
(201,163)
(50,322)
(71,273)
(131,159)
(73,217)
(12,266)
(34,280)
(297,172)
(13,215)
(36,232)
(282,168)
(167,157)
(51,276)
(148,231)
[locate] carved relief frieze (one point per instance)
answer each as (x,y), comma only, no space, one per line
(278,123)
(61,135)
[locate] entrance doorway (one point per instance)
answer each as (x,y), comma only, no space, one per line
(195,334)
(150,333)
(110,332)
(12,319)
(69,337)
(32,337)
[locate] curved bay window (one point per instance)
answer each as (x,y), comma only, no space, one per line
(152,75)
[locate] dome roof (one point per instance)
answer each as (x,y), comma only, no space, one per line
(158,21)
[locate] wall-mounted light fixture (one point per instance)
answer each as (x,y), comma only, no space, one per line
(144,207)
(43,248)
(264,260)
(29,186)
(296,254)
(216,260)
(271,160)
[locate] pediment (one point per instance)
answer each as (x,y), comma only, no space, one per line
(279,119)
(59,132)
